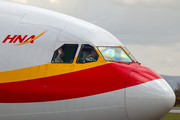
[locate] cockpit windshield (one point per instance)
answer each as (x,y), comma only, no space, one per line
(115,54)
(134,59)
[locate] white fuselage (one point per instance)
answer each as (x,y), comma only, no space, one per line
(147,100)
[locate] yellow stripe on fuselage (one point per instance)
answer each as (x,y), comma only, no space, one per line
(46,70)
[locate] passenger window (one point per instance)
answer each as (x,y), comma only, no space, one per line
(65,54)
(87,54)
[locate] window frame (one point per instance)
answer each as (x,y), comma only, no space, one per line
(63,62)
(130,54)
(80,53)
(116,47)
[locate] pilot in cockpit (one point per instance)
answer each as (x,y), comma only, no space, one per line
(92,57)
(59,56)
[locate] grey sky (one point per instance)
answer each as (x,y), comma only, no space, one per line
(149,28)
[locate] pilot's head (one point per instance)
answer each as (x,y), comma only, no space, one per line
(60,51)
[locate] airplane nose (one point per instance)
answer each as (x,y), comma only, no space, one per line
(148,96)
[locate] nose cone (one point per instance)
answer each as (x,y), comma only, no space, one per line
(148,96)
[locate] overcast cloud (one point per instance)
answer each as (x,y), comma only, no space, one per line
(149,28)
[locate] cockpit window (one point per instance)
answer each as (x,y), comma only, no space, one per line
(115,54)
(65,54)
(87,54)
(130,55)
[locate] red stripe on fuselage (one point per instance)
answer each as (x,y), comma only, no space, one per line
(141,75)
(97,80)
